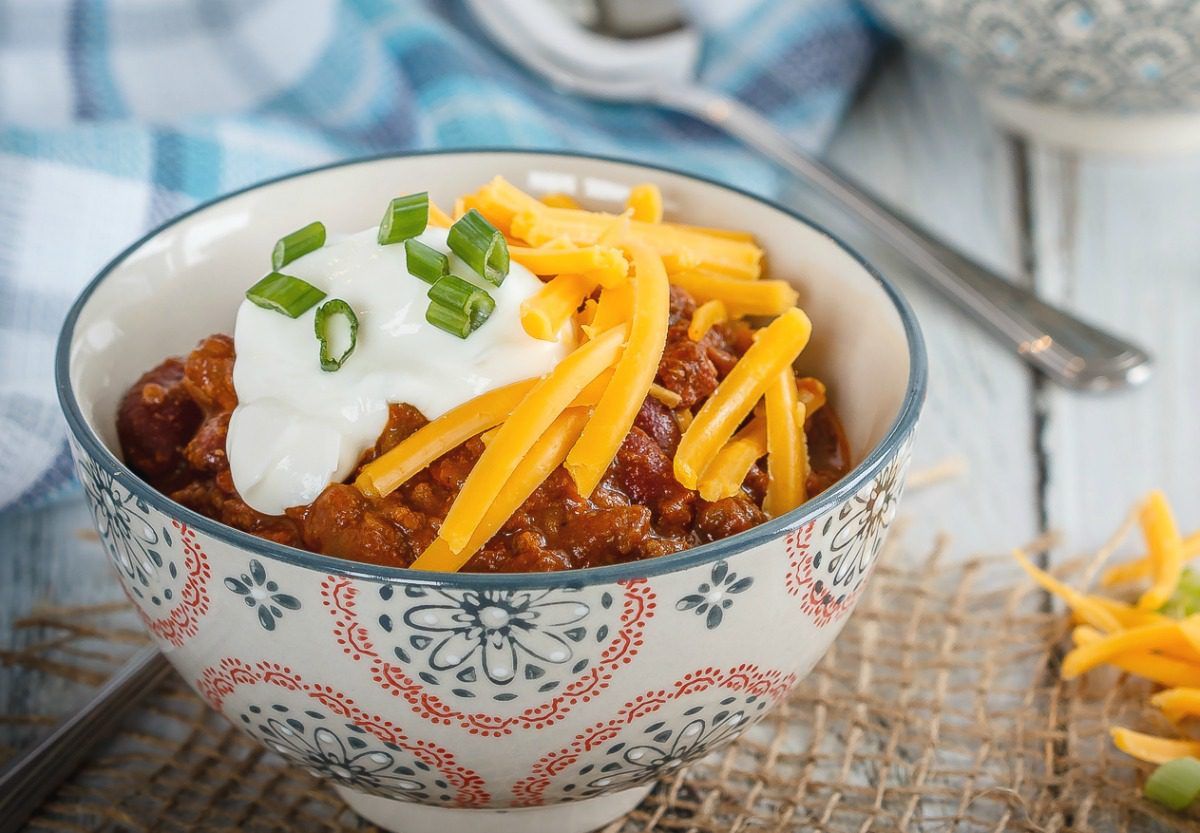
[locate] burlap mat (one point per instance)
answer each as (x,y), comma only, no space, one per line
(938,709)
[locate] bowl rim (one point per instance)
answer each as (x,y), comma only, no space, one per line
(850,484)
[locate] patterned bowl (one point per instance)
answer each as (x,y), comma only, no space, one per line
(1108,75)
(526,701)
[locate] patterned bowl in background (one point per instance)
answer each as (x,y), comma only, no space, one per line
(441,703)
(1109,75)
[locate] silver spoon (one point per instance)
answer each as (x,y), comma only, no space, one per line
(661,70)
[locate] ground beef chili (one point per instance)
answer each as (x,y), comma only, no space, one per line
(173,422)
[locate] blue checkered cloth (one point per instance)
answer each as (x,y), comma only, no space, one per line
(117,114)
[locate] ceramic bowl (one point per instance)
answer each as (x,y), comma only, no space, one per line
(527,701)
(1109,75)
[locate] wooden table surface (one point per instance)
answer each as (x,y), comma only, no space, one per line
(1118,240)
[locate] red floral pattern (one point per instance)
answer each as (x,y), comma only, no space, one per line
(339,596)
(217,683)
(816,600)
(748,679)
(183,620)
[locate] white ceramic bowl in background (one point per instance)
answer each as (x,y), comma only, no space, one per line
(464,702)
(1106,75)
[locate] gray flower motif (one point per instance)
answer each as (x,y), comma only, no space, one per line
(499,629)
(261,594)
(863,519)
(664,748)
(122,520)
(713,596)
(326,756)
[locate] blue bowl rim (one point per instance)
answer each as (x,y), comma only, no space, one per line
(841,491)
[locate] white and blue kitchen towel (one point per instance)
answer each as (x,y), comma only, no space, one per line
(117,114)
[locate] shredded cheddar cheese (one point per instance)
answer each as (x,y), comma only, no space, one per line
(707,315)
(665,395)
(1157,668)
(634,373)
(439,218)
(646,202)
(528,421)
(608,279)
(603,263)
(812,394)
(762,297)
(725,474)
(544,313)
(1178,703)
(1166,550)
(1153,749)
(1095,615)
(500,200)
(1145,638)
(614,307)
(1127,615)
(678,247)
(778,345)
(546,454)
(787,456)
(1143,567)
(588,313)
(728,234)
(1141,639)
(386,473)
(559,200)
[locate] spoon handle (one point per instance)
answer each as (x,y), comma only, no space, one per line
(31,780)
(1070,351)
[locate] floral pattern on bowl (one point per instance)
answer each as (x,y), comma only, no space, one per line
(1115,56)
(430,675)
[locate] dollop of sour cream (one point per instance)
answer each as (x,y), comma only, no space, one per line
(298,428)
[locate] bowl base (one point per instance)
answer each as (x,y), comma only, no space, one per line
(568,817)
(1142,134)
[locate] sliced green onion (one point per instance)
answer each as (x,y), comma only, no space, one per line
(458,307)
(323,324)
(1186,599)
(1175,784)
(283,293)
(425,263)
(405,217)
(297,244)
(454,321)
(481,246)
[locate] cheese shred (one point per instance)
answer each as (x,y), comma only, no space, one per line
(787,454)
(725,474)
(1140,639)
(646,202)
(1178,703)
(528,421)
(389,471)
(1095,615)
(1166,550)
(633,376)
(544,457)
(706,316)
(778,345)
(544,313)
(1151,748)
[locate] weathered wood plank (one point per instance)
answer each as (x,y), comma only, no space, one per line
(48,558)
(920,139)
(1116,240)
